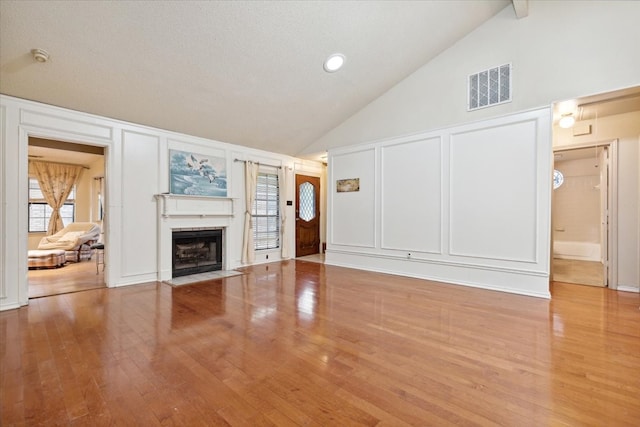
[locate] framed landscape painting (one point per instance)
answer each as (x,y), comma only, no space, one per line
(197,174)
(348,185)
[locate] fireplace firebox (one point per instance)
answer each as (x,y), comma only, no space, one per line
(196,251)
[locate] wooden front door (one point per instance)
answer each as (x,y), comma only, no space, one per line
(307,215)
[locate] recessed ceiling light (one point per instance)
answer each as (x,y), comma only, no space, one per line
(334,62)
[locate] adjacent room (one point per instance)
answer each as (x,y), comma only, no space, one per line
(69,257)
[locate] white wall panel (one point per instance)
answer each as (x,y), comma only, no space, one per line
(353,213)
(628,210)
(411,196)
(468,205)
(76,125)
(140,155)
(576,210)
(493,193)
(3,192)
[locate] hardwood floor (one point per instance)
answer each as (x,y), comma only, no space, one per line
(303,343)
(579,272)
(72,277)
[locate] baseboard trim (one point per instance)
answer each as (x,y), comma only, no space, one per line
(628,289)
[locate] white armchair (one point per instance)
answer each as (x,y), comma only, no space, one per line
(75,239)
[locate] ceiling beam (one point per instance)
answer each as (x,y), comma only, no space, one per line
(521,8)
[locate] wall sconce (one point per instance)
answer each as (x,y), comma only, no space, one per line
(566,121)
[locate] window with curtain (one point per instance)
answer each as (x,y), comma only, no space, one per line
(40,211)
(266,213)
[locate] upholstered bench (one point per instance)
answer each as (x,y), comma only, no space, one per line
(46,258)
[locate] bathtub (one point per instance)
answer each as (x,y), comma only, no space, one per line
(584,251)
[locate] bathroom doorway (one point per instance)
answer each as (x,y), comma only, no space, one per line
(605,123)
(581,214)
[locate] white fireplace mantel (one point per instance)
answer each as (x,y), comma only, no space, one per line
(177,211)
(171,205)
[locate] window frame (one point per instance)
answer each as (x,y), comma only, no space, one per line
(269,238)
(71,201)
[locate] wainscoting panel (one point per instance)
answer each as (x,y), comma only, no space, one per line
(139,185)
(468,205)
(3,192)
(58,123)
(411,196)
(493,192)
(353,213)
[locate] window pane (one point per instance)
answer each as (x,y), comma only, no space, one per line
(66,211)
(34,189)
(261,207)
(272,208)
(40,212)
(37,224)
(266,215)
(36,209)
(307,199)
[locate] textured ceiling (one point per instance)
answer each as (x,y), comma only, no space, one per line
(247,73)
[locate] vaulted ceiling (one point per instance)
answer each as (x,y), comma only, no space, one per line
(243,72)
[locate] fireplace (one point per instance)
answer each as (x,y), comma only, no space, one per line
(196,251)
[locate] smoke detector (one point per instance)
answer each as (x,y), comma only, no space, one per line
(40,55)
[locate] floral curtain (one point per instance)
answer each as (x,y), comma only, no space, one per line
(56,182)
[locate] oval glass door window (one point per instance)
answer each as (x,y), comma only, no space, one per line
(307,202)
(558,179)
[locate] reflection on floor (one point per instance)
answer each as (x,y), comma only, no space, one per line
(72,277)
(313,258)
(579,272)
(201,277)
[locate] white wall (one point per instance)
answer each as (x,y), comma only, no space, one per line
(562,50)
(628,208)
(468,205)
(576,210)
(136,169)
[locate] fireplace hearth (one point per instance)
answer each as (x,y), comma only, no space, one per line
(196,251)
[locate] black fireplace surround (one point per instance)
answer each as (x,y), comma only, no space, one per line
(196,251)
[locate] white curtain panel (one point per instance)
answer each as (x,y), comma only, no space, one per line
(56,181)
(250,184)
(284,178)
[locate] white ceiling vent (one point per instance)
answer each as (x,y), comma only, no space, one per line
(490,87)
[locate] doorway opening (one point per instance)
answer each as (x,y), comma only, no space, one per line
(57,270)
(582,201)
(599,134)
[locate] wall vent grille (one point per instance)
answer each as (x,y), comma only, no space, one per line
(490,87)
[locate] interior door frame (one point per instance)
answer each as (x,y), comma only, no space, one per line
(611,267)
(318,208)
(35,131)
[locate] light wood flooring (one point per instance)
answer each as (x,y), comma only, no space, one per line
(313,258)
(301,343)
(578,272)
(72,277)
